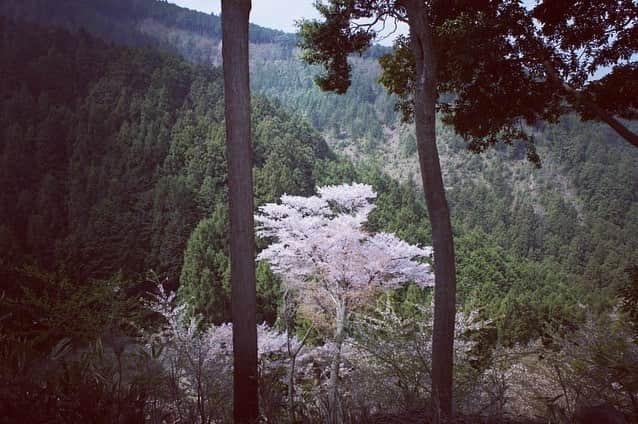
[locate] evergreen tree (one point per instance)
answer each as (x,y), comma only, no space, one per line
(205,278)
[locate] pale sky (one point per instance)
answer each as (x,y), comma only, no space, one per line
(279,14)
(275,14)
(282,14)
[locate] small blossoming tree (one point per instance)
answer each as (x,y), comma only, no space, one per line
(322,250)
(394,354)
(199,367)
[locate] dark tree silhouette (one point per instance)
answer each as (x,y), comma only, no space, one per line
(575,39)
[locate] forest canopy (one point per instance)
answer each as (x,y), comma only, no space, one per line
(114,187)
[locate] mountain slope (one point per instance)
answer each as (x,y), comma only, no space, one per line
(579,209)
(110,156)
(573,223)
(275,70)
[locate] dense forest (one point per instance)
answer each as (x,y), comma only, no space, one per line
(111,156)
(356,123)
(578,210)
(275,70)
(114,180)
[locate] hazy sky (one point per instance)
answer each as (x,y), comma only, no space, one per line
(276,14)
(281,15)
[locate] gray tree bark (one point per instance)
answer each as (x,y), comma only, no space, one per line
(335,414)
(439,213)
(235,14)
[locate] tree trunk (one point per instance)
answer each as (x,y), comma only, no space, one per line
(334,404)
(288,320)
(235,15)
(287,313)
(291,386)
(442,241)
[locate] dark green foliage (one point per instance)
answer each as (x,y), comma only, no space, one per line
(399,209)
(331,43)
(275,70)
(205,277)
(268,293)
(586,27)
(204,282)
(604,92)
(112,164)
(332,172)
(291,149)
(51,307)
(525,299)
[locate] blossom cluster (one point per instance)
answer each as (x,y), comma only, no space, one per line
(319,243)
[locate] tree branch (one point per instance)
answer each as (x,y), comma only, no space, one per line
(584,100)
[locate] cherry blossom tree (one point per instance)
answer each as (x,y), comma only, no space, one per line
(198,363)
(322,250)
(393,349)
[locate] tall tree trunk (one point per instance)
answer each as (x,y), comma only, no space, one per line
(334,404)
(235,15)
(442,241)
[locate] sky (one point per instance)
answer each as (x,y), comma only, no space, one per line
(275,14)
(282,14)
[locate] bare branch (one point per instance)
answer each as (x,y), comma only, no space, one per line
(584,99)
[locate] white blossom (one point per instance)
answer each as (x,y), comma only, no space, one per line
(321,250)
(319,245)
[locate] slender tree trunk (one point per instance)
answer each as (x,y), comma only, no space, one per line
(288,320)
(235,15)
(291,386)
(287,313)
(334,404)
(442,241)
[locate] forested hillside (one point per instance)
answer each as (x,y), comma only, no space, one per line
(114,185)
(111,156)
(275,70)
(363,125)
(578,209)
(145,174)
